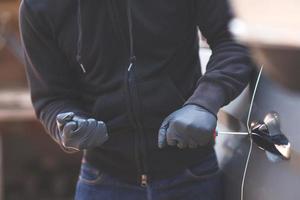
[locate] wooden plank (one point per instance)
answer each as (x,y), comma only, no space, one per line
(269,22)
(15,105)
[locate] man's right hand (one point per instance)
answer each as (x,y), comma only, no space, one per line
(79,133)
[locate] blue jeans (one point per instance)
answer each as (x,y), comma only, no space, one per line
(201,182)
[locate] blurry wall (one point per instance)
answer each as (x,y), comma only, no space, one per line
(32,166)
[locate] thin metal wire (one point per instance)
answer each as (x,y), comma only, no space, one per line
(249,131)
(232,133)
(252,100)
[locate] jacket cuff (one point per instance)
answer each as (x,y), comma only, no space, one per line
(209,95)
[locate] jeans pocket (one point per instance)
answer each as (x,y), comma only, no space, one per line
(90,175)
(208,168)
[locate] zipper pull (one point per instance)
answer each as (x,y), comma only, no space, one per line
(130,66)
(82,68)
(132,61)
(79,61)
(144,180)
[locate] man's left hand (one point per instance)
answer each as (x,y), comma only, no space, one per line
(189,127)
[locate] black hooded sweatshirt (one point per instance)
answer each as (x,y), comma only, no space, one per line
(130,64)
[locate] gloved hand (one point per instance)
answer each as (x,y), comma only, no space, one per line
(191,126)
(77,133)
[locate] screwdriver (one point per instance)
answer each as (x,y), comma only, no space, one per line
(216,133)
(230,133)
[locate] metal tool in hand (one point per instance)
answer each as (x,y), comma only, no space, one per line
(267,136)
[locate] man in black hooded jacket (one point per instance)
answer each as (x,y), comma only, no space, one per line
(121,80)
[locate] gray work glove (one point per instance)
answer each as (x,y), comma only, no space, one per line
(78,133)
(189,127)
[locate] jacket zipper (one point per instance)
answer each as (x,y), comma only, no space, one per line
(139,133)
(135,106)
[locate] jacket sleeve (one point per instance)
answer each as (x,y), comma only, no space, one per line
(53,84)
(229,68)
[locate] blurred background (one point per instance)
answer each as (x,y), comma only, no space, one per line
(32,166)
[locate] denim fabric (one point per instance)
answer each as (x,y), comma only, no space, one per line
(201,182)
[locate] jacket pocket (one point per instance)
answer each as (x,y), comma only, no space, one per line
(110,107)
(159,97)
